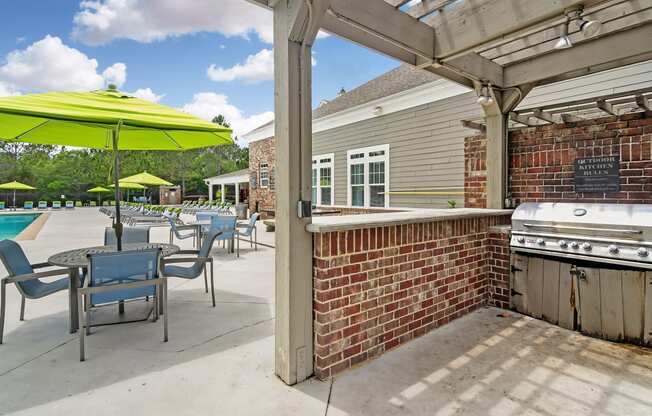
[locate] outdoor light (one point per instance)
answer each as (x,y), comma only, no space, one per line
(564,41)
(589,27)
(484,98)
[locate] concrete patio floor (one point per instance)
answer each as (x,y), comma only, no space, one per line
(221,360)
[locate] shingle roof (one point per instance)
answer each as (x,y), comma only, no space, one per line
(399,79)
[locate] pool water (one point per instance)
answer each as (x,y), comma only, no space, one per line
(14,224)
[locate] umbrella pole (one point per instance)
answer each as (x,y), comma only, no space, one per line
(14,199)
(116,180)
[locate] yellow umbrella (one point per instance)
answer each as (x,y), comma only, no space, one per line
(16,186)
(145,178)
(128,186)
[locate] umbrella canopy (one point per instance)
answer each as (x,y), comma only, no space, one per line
(129,185)
(98,190)
(16,186)
(145,178)
(88,119)
(104,120)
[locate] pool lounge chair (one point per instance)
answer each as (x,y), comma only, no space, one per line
(28,205)
(42,205)
(56,204)
(21,273)
(121,276)
(92,204)
(71,205)
(2,205)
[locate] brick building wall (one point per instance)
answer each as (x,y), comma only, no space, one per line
(262,151)
(377,288)
(498,264)
(541,160)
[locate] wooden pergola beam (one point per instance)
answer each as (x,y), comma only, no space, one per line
(425,7)
(543,115)
(606,107)
(473,125)
(519,118)
(570,118)
(643,103)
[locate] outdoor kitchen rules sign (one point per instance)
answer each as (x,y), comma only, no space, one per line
(597,174)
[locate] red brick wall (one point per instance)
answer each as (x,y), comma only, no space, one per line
(499,266)
(377,288)
(262,151)
(541,160)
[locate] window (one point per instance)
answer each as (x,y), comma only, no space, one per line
(368,176)
(322,180)
(263,172)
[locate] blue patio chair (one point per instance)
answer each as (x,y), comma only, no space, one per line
(71,205)
(199,263)
(42,204)
(28,205)
(175,230)
(130,235)
(250,230)
(121,276)
(28,283)
(2,205)
(226,224)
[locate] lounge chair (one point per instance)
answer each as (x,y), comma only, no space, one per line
(42,204)
(225,224)
(117,277)
(92,204)
(130,235)
(21,272)
(78,204)
(199,263)
(2,205)
(70,205)
(28,205)
(56,204)
(105,203)
(250,230)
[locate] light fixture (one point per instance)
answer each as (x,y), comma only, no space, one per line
(564,41)
(484,98)
(589,27)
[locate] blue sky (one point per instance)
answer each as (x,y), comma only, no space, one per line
(162,50)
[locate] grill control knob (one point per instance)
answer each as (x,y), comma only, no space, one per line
(563,243)
(520,239)
(613,249)
(586,246)
(574,244)
(643,252)
(541,242)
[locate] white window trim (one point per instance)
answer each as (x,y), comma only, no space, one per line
(260,176)
(319,165)
(365,160)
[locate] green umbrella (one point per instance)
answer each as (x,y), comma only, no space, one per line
(128,185)
(145,178)
(16,186)
(99,190)
(109,120)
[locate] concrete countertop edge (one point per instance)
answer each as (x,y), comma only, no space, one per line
(353,222)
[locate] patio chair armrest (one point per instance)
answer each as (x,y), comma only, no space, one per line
(41,265)
(187,252)
(32,276)
(186,260)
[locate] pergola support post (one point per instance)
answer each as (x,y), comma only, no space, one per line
(295,28)
(210,191)
(223,196)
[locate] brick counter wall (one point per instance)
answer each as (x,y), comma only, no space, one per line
(262,151)
(377,288)
(541,160)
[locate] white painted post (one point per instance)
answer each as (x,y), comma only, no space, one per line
(294,32)
(210,191)
(223,189)
(237,193)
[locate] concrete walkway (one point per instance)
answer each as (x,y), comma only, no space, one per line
(221,360)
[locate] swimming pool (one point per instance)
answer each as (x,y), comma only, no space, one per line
(11,225)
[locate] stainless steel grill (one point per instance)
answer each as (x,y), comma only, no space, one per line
(617,234)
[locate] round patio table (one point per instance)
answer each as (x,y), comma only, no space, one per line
(76,259)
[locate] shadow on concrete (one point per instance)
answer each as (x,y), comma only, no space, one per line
(487,364)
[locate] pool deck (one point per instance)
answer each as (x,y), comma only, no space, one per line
(221,360)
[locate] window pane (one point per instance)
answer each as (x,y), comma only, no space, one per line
(357,196)
(357,174)
(377,173)
(325,177)
(326,196)
(314,177)
(314,195)
(377,195)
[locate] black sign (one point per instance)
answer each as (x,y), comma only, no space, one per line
(597,174)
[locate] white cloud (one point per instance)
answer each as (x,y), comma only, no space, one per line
(49,64)
(147,94)
(101,21)
(115,74)
(207,105)
(7,90)
(256,68)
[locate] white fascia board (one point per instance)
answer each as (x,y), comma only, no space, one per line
(228,180)
(423,94)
